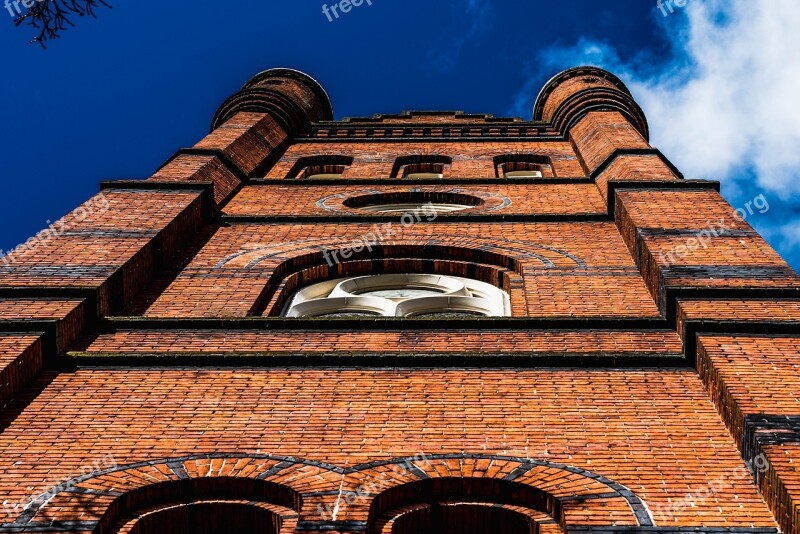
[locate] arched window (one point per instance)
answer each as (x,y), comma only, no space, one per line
(400,295)
(320,167)
(421,166)
(463,506)
(523,166)
(212,517)
(462,518)
(207,505)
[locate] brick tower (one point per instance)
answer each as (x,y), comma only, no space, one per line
(430,322)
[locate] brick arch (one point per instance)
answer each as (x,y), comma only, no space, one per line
(299,263)
(320,496)
(505,279)
(309,265)
(113,499)
(554,494)
(504,252)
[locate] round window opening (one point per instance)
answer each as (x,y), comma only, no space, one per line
(428,296)
(416,201)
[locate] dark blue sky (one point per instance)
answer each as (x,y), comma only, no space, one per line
(117,95)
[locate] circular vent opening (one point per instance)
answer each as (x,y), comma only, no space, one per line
(405,202)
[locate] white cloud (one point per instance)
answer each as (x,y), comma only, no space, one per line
(730,97)
(727,104)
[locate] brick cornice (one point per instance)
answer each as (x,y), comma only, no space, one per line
(450,181)
(634,152)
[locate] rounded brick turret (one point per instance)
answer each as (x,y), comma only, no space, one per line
(292,97)
(570,95)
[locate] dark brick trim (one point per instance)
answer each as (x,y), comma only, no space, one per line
(669,530)
(408,138)
(673,295)
(338,526)
(154,185)
(395,182)
(275,469)
(599,99)
(49,327)
(177,468)
(693,232)
(441,218)
(49,526)
(24,520)
(634,152)
(211,152)
(655,185)
(44,292)
(693,329)
(339,360)
(112,324)
(584,70)
(380,117)
(765,429)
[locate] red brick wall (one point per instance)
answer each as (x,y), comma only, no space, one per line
(326,200)
(754,381)
(610,395)
(230,273)
(664,440)
(470,160)
(20,360)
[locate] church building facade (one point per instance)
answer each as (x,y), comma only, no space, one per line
(430,322)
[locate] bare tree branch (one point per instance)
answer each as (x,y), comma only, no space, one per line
(51,17)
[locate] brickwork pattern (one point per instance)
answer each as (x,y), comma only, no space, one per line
(20,360)
(753,376)
(610,250)
(360,416)
(486,341)
(567,269)
(470,160)
(545,199)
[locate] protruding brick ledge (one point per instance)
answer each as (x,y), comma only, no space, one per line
(62,321)
(444,218)
(615,186)
(764,430)
(273,342)
(21,358)
(402,182)
(753,382)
